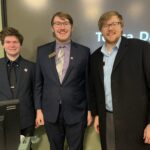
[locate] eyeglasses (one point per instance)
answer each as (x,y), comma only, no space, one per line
(59,24)
(113,25)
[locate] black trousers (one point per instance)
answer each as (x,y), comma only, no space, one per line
(110,131)
(57,132)
(29,131)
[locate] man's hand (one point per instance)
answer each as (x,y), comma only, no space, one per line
(146,136)
(96,124)
(89,118)
(39,118)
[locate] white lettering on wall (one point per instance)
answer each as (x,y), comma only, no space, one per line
(143,35)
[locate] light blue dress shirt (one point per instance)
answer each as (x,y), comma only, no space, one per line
(108,60)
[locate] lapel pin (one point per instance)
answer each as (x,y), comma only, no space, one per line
(52,54)
(25,70)
(71,58)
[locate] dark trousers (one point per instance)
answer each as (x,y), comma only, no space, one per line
(57,132)
(29,131)
(110,132)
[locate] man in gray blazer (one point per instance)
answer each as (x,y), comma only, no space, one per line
(14,67)
(61,86)
(120,88)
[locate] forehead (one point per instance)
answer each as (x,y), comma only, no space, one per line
(60,19)
(112,19)
(11,38)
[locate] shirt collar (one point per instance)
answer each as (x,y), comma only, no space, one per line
(66,45)
(17,61)
(116,47)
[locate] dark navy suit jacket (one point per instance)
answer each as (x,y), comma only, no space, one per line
(72,92)
(24,89)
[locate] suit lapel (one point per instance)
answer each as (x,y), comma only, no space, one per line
(51,62)
(4,76)
(72,60)
(21,72)
(121,51)
(99,64)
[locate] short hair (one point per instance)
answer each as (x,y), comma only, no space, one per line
(62,15)
(10,31)
(106,16)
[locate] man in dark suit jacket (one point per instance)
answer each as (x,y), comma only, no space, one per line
(61,100)
(120,88)
(23,82)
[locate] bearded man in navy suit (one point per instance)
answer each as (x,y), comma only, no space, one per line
(62,101)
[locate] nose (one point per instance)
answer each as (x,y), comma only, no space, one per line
(62,26)
(12,45)
(110,26)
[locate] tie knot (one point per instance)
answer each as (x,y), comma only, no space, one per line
(61,52)
(11,64)
(14,64)
(61,47)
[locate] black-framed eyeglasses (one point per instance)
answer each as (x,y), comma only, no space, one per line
(113,25)
(59,24)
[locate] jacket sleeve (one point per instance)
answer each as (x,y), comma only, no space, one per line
(92,96)
(146,66)
(38,82)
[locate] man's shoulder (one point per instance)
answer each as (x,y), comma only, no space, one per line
(46,48)
(82,49)
(27,62)
(96,52)
(2,59)
(47,45)
(75,44)
(134,41)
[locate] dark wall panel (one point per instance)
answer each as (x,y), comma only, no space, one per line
(32,18)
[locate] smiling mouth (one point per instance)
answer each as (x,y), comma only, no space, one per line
(62,32)
(111,34)
(12,49)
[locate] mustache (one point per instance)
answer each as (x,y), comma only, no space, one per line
(62,30)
